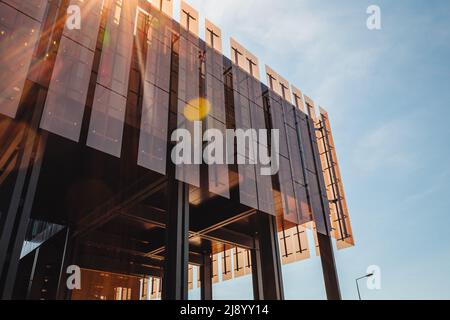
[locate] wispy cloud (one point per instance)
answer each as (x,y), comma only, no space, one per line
(386,147)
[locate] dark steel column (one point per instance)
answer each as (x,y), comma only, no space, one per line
(62,279)
(256,272)
(266,263)
(324,240)
(206,277)
(33,269)
(175,286)
(329,267)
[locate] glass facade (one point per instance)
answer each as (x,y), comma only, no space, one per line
(86,119)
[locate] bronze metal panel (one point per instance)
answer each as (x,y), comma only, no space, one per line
(213,36)
(190,277)
(227,267)
(301,246)
(189,18)
(242,264)
(293,244)
(215,268)
(297,98)
(339,216)
(286,246)
(239,257)
(166,6)
(243,58)
(278,84)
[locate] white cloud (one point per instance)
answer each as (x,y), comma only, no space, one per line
(385,147)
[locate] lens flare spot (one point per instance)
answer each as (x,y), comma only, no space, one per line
(155,23)
(197,109)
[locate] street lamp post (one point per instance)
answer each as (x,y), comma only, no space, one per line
(357,286)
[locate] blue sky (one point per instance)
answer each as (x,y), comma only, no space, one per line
(388,97)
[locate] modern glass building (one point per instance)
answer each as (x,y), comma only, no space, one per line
(90,94)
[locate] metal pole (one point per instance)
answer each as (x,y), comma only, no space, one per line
(357,288)
(357,285)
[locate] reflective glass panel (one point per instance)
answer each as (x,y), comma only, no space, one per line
(189,106)
(108,110)
(18,37)
(107,120)
(66,98)
(216,119)
(155,107)
(33,8)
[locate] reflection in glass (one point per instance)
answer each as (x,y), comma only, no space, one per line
(18,37)
(288,199)
(215,94)
(66,98)
(188,91)
(108,110)
(155,107)
(33,8)
(107,119)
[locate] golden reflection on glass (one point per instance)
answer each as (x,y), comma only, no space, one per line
(197,109)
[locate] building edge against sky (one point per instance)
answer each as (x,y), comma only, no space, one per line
(62,71)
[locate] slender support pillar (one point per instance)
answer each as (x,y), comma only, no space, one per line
(329,267)
(175,286)
(266,263)
(33,269)
(11,266)
(206,277)
(256,272)
(62,286)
